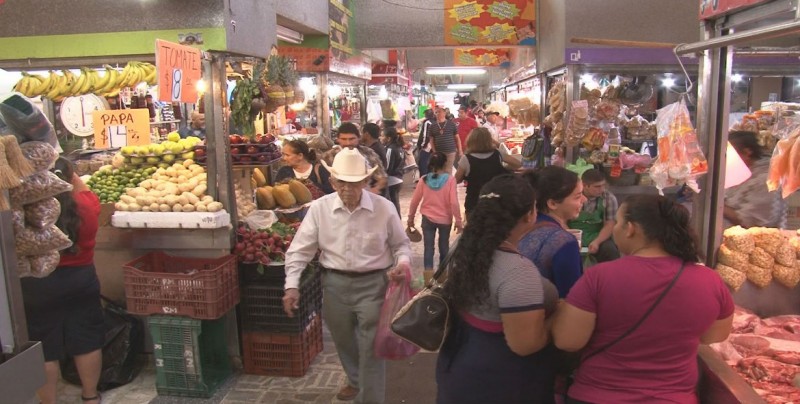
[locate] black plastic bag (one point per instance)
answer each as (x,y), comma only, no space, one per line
(122,352)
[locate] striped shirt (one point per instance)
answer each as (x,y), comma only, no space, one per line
(514,286)
(444,136)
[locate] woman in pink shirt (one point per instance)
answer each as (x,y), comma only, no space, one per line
(638,320)
(437,192)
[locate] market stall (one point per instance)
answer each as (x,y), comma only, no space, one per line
(600,109)
(764,279)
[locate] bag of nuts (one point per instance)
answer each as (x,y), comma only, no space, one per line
(32,241)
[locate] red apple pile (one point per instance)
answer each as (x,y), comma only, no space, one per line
(261,150)
(264,246)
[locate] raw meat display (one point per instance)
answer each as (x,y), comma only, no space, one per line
(766,352)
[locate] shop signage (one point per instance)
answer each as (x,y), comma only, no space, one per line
(122,127)
(340,19)
(490,22)
(710,9)
(306,59)
(178,71)
(481,57)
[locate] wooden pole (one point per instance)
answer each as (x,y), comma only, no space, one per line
(627,44)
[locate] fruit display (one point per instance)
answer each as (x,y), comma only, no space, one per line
(269,86)
(244,202)
(287,195)
(180,188)
(264,246)
(263,151)
(56,86)
(163,154)
(110,183)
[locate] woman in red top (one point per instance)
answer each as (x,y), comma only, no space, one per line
(63,309)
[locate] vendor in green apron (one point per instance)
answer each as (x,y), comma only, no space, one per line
(596,220)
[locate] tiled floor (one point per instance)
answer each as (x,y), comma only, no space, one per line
(413,378)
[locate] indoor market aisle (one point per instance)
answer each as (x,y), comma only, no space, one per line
(408,381)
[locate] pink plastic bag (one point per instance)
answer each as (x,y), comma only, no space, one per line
(387,344)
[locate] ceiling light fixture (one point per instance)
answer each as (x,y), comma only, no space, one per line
(456,70)
(289,35)
(668,82)
(737,78)
(461,86)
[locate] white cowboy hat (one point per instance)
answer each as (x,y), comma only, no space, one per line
(349,166)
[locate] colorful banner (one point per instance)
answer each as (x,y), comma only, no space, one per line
(489,22)
(122,127)
(710,9)
(481,57)
(340,19)
(179,71)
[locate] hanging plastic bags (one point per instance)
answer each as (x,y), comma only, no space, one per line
(680,159)
(387,344)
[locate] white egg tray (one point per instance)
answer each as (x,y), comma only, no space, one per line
(171,220)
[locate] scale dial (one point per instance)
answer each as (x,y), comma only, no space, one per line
(76,113)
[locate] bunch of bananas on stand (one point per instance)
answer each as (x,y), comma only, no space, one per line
(57,86)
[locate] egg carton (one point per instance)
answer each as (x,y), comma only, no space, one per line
(171,220)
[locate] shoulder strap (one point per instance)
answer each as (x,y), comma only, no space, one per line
(641,320)
(316,172)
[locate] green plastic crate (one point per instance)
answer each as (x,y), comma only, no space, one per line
(191,356)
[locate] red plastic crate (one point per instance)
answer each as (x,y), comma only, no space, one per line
(200,288)
(288,355)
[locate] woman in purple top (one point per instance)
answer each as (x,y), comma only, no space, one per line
(657,361)
(493,351)
(554,250)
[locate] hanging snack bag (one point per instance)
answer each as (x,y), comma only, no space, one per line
(42,214)
(44,264)
(680,159)
(41,155)
(578,122)
(32,241)
(39,186)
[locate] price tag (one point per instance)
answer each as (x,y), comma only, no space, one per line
(178,71)
(118,128)
(616,170)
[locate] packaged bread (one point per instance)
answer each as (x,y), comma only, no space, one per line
(767,238)
(785,255)
(738,239)
(732,277)
(788,276)
(762,258)
(734,259)
(761,277)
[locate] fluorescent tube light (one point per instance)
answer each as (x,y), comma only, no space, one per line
(455,70)
(289,35)
(461,86)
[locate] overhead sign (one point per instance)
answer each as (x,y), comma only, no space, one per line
(122,127)
(490,22)
(178,71)
(481,57)
(710,9)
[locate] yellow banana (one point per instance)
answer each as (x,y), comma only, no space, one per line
(34,81)
(86,75)
(57,88)
(125,76)
(150,79)
(113,93)
(102,81)
(136,75)
(44,86)
(111,80)
(24,84)
(77,82)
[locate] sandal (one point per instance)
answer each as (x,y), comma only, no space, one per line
(98,397)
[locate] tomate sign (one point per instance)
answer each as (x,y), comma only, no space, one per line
(178,71)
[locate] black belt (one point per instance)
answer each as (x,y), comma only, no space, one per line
(354,274)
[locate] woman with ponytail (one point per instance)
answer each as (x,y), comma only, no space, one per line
(63,309)
(491,354)
(655,361)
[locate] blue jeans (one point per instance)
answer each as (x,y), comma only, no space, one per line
(428,233)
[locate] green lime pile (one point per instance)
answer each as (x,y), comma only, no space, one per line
(109,183)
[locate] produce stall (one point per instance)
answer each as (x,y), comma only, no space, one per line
(763,349)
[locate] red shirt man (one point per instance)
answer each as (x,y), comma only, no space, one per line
(465,125)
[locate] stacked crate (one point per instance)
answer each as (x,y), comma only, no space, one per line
(275,344)
(186,299)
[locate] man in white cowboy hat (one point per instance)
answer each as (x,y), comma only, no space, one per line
(349,228)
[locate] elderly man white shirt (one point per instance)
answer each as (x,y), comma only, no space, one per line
(360,237)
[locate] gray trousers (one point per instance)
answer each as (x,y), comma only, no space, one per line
(351,307)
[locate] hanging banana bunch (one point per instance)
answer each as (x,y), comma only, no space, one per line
(56,86)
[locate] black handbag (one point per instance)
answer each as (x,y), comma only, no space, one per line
(425,320)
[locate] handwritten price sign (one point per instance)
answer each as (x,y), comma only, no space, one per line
(125,127)
(178,71)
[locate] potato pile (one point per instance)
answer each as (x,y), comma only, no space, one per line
(178,188)
(760,255)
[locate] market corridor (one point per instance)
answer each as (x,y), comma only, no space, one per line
(407,381)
